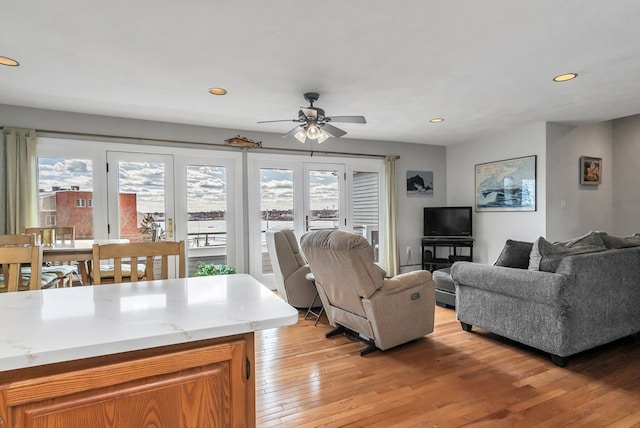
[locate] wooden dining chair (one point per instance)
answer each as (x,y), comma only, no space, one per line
(63,234)
(20,268)
(13,243)
(68,270)
(23,239)
(126,257)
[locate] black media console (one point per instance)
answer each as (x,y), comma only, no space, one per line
(438,254)
(432,259)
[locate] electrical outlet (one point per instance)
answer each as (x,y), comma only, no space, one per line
(408,251)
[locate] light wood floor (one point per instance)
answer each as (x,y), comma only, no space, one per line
(450,378)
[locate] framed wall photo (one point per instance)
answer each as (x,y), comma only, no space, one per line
(506,185)
(419,183)
(590,170)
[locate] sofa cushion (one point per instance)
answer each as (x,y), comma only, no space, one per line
(590,239)
(546,256)
(515,254)
(615,242)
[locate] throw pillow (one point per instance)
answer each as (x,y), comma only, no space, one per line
(546,256)
(515,254)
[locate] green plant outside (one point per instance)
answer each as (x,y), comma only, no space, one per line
(211,269)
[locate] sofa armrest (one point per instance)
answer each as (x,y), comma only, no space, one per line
(543,287)
(607,285)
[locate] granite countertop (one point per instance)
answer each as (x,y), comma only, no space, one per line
(56,325)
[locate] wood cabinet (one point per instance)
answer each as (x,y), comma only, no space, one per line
(202,384)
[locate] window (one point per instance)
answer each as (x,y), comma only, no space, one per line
(65,184)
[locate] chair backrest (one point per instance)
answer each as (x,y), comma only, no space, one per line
(342,263)
(13,259)
(285,256)
(18,239)
(137,252)
(63,234)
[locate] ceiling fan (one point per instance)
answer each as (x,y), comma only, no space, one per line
(314,125)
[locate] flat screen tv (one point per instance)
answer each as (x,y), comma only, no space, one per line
(447,221)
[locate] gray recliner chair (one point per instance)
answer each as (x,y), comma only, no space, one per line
(290,268)
(386,312)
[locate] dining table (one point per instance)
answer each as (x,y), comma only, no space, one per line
(79,250)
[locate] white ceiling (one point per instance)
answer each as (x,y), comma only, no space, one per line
(483,65)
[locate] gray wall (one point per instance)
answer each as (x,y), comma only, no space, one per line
(565,208)
(574,209)
(626,175)
(492,229)
(613,206)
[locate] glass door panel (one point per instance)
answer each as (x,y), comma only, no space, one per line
(276,207)
(207,220)
(324,206)
(142,187)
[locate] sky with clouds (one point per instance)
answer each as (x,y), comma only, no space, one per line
(205,184)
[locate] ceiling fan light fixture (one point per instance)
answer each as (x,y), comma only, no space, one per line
(301,135)
(322,137)
(565,77)
(313,132)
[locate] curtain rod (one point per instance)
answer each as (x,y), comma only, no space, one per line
(164,140)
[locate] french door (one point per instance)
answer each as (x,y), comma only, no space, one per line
(175,197)
(293,193)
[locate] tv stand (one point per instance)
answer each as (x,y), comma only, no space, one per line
(430,244)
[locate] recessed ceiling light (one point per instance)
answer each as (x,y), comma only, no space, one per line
(217,91)
(437,120)
(565,77)
(8,61)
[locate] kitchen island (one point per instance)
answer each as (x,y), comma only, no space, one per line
(167,353)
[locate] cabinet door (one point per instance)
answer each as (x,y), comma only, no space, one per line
(204,387)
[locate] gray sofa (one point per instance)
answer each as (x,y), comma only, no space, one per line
(581,296)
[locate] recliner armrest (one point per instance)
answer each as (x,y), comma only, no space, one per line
(405,281)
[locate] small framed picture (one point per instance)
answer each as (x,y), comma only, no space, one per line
(419,183)
(590,170)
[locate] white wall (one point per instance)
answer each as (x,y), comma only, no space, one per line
(492,229)
(418,157)
(574,209)
(626,176)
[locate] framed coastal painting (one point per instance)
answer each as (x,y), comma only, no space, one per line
(419,183)
(590,170)
(506,185)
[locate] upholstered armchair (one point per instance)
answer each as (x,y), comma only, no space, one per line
(290,268)
(356,296)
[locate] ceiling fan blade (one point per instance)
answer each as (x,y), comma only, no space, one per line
(333,131)
(282,120)
(348,119)
(292,132)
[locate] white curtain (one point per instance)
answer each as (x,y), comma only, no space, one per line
(391,262)
(18,182)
